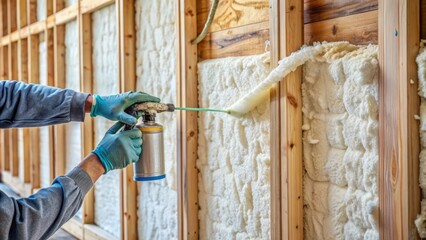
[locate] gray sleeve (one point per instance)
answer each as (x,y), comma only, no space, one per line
(32,105)
(41,214)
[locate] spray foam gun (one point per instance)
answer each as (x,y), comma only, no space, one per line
(151,162)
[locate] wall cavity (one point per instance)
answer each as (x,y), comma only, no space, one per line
(44,131)
(41,9)
(340,128)
(421,62)
(105,75)
(234,153)
(155,45)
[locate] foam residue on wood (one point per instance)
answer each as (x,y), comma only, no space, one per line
(421,62)
(72,81)
(340,119)
(44,131)
(156,75)
(105,75)
(234,154)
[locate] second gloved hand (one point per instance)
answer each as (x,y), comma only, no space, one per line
(112,107)
(117,150)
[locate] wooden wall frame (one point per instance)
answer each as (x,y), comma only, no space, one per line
(398,170)
(286,116)
(399,34)
(187,130)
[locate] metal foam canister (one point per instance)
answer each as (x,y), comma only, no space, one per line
(151,161)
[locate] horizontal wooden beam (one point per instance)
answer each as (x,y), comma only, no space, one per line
(88,6)
(61,17)
(92,231)
(66,15)
(357,29)
(239,41)
(75,227)
(320,10)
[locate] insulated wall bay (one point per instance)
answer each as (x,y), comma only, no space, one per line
(421,62)
(234,153)
(340,145)
(105,75)
(72,81)
(156,75)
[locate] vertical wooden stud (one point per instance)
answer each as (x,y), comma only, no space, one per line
(187,83)
(86,78)
(50,65)
(13,133)
(399,194)
(286,118)
(59,79)
(33,77)
(127,70)
(5,165)
(22,13)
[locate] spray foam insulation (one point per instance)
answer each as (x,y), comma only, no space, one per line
(340,154)
(234,153)
(44,131)
(421,62)
(41,9)
(72,81)
(105,75)
(156,59)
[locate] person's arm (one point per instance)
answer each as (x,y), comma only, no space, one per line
(40,215)
(30,105)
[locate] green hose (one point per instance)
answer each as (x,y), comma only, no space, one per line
(201,109)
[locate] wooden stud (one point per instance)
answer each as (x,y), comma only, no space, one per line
(13,133)
(74,227)
(399,193)
(86,78)
(187,83)
(22,13)
(23,76)
(50,65)
(59,82)
(5,140)
(127,70)
(286,118)
(33,77)
(423,19)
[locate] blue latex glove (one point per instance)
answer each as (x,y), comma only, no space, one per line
(117,150)
(112,107)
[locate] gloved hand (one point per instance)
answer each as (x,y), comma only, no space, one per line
(112,107)
(117,150)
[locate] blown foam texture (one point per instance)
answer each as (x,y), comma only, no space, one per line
(234,153)
(340,128)
(105,75)
(156,59)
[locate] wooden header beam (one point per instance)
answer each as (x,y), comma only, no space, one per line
(399,193)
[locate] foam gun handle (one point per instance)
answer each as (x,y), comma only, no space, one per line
(130,110)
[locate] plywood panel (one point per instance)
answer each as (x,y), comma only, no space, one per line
(357,29)
(319,10)
(240,41)
(232,13)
